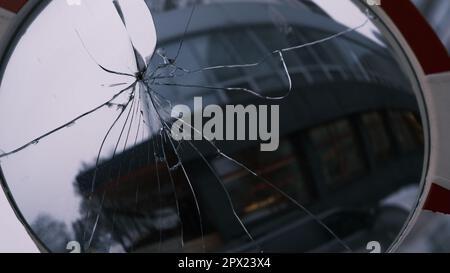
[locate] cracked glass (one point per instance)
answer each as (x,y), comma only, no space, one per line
(89,155)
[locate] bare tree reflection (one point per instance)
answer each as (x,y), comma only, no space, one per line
(53,233)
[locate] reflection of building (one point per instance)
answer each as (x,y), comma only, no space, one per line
(437,13)
(166,5)
(350,136)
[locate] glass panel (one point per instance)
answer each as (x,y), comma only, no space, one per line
(378,136)
(339,152)
(402,125)
(251,127)
(255,200)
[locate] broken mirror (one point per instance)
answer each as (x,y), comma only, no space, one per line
(209,126)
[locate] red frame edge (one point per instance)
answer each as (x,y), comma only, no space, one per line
(422,39)
(12,5)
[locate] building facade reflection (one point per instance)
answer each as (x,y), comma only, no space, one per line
(350,136)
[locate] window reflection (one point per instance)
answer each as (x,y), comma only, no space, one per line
(379,141)
(406,129)
(255,200)
(339,151)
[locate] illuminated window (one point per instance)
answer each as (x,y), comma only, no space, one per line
(339,152)
(255,199)
(402,126)
(378,138)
